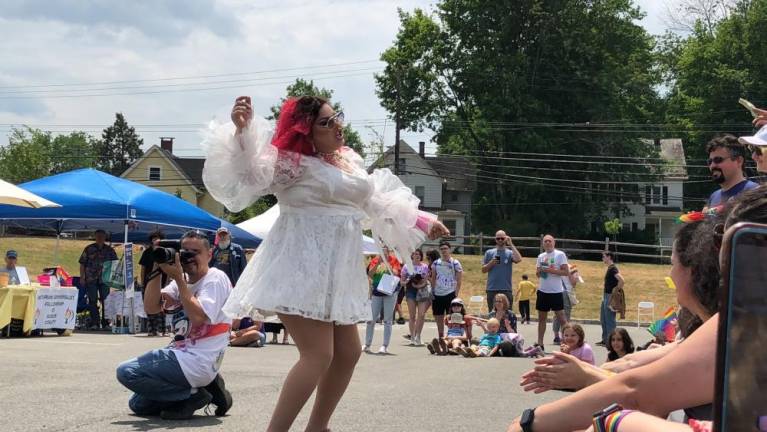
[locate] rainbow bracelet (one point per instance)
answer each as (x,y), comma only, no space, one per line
(610,422)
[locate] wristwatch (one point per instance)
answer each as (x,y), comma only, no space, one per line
(526,422)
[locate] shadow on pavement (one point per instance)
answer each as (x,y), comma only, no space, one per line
(152,423)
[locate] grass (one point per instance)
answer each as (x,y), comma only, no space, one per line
(644,282)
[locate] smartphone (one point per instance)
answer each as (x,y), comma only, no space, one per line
(740,402)
(749,106)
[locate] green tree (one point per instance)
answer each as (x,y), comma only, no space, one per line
(307,88)
(119,147)
(33,153)
(491,77)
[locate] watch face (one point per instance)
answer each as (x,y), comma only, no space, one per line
(527,417)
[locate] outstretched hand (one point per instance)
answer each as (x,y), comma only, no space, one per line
(437,229)
(557,371)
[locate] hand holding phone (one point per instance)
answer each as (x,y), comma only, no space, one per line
(750,107)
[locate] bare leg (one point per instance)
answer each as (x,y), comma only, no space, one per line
(285,337)
(246,339)
(314,340)
(421,317)
(333,383)
(560,315)
(412,308)
(541,326)
(440,319)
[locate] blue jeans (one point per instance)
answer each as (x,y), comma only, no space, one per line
(157,381)
(377,304)
(607,319)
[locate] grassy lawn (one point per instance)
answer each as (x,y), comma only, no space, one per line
(643,281)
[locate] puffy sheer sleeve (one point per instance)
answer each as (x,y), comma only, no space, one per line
(393,214)
(240,168)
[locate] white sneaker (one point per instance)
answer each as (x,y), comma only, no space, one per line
(366,348)
(412,341)
(383,350)
(417,341)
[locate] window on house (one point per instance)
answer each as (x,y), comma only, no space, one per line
(420,193)
(648,194)
(626,227)
(634,226)
(665,195)
(656,194)
(402,165)
(155,174)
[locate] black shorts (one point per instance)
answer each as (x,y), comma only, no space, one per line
(545,302)
(441,304)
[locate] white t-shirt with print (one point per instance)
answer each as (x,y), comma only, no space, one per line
(547,282)
(446,279)
(200,356)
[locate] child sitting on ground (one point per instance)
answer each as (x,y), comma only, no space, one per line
(488,344)
(458,325)
(573,343)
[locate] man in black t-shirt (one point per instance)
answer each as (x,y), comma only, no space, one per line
(155,322)
(613,279)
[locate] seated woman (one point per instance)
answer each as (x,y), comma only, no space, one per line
(695,272)
(247,333)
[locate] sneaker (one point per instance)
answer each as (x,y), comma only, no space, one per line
(442,345)
(383,350)
(366,348)
(400,320)
(417,341)
(431,349)
(464,352)
(412,342)
(220,396)
(185,409)
(435,346)
(470,353)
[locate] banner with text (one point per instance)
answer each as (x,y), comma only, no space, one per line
(56,308)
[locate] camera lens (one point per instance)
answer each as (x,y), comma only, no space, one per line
(162,255)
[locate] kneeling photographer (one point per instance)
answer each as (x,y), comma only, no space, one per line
(175,381)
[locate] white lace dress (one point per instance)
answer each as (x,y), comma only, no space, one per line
(311,263)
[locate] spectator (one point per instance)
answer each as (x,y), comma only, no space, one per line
(418,295)
(525,292)
(620,344)
(275,328)
(157,321)
(229,257)
(432,255)
(459,325)
(380,301)
(446,278)
(91,264)
(613,280)
(502,312)
(551,266)
(568,283)
(11,258)
(756,146)
(726,157)
(498,263)
(574,343)
(176,381)
(488,344)
(247,333)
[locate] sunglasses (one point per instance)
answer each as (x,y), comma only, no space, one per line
(717,160)
(754,149)
(500,238)
(332,121)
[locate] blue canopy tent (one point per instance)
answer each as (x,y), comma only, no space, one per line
(91,200)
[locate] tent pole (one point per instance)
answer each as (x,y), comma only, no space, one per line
(132,320)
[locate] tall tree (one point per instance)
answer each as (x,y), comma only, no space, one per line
(119,147)
(303,87)
(493,78)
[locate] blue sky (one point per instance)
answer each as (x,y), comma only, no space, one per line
(64,45)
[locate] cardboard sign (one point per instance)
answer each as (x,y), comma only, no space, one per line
(55,308)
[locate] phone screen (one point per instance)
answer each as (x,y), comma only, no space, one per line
(743,377)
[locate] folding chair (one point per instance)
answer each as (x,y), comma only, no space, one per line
(478,299)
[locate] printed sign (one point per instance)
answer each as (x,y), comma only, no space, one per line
(128,259)
(55,308)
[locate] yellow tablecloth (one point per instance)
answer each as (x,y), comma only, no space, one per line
(18,301)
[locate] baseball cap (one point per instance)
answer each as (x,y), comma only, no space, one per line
(757,139)
(222,229)
(11,254)
(457,300)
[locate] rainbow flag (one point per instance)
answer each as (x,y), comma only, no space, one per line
(667,324)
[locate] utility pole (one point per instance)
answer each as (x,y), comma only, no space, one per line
(396,128)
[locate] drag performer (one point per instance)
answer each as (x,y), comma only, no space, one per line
(310,269)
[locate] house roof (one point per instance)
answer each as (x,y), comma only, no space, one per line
(672,151)
(189,168)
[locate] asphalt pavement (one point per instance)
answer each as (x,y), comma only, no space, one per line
(67,383)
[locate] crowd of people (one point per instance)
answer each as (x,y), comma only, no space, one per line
(215,299)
